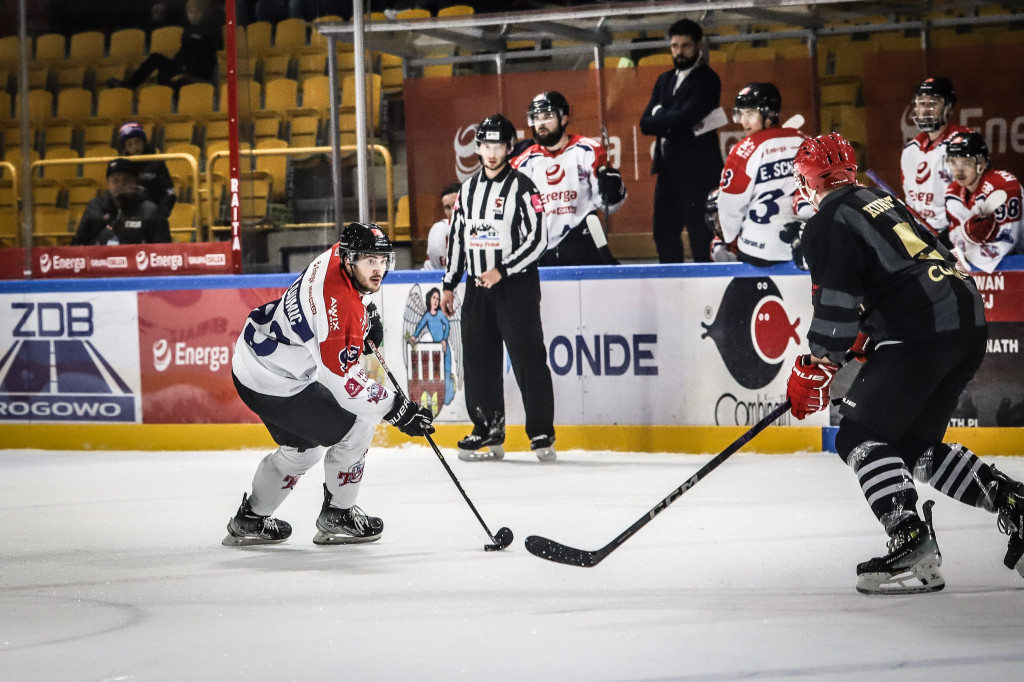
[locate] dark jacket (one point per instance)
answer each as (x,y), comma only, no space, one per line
(136,220)
(197,56)
(684,153)
(156,180)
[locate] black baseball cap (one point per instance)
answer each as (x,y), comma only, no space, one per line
(122,166)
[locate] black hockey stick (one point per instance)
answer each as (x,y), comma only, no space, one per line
(554,551)
(504,537)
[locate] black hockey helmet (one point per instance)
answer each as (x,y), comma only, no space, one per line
(711,212)
(968,146)
(496,128)
(547,101)
(359,239)
(938,86)
(764,97)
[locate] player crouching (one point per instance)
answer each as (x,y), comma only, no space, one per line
(296,365)
(873,275)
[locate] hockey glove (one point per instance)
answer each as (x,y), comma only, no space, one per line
(609,184)
(410,418)
(606,255)
(861,347)
(807,389)
(981,229)
(376,331)
(792,234)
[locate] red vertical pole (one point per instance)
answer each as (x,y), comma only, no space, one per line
(231,52)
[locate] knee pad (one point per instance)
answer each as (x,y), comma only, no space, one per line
(295,462)
(851,437)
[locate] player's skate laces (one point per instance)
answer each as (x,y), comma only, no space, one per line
(543,447)
(345,526)
(471,448)
(912,564)
(1010,507)
(248,528)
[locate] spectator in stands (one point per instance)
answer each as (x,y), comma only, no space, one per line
(687,160)
(123,215)
(437,238)
(195,61)
(154,177)
(162,13)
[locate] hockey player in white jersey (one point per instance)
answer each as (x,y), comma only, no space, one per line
(981,226)
(923,173)
(755,196)
(575,181)
(296,365)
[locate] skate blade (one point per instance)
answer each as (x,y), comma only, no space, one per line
(494,452)
(322,538)
(916,580)
(232,541)
(545,454)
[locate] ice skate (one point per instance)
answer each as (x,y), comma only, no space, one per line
(478,447)
(1010,507)
(247,528)
(544,448)
(912,564)
(337,526)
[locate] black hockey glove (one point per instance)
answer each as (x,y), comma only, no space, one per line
(606,255)
(609,184)
(792,234)
(376,331)
(410,418)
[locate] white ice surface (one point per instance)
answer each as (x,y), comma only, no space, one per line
(111,568)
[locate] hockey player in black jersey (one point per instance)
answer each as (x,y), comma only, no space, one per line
(876,275)
(497,238)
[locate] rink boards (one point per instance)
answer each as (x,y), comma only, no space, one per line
(644,358)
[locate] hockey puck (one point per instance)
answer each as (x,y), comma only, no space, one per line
(503,538)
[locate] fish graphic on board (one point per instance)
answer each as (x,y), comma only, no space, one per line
(752,330)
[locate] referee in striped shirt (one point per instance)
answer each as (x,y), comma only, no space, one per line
(497,237)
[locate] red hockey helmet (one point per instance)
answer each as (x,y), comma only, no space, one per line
(823,163)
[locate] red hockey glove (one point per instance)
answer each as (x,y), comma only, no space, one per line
(807,389)
(861,347)
(981,229)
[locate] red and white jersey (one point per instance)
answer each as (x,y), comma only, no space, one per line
(924,176)
(567,182)
(313,333)
(755,197)
(960,207)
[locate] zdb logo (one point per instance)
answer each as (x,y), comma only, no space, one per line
(44,263)
(752,331)
(141,260)
(161,355)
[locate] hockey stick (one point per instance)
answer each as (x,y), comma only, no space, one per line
(883,186)
(504,537)
(794,121)
(554,551)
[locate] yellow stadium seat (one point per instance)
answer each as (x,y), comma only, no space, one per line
(52,226)
(51,48)
(255,189)
(664,60)
(280,96)
(455,11)
(165,40)
(274,165)
(258,37)
(97,171)
(403,222)
(751,54)
(409,14)
(183,222)
(10,230)
(113,107)
(839,94)
(10,49)
(290,37)
(154,103)
(615,63)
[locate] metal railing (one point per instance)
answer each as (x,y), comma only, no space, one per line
(389,176)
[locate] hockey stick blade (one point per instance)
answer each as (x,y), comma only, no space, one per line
(795,121)
(563,554)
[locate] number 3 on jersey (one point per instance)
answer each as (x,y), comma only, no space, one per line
(765,206)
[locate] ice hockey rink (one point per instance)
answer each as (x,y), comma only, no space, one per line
(112,569)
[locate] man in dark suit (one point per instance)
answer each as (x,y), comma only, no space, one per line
(688,163)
